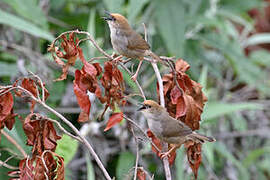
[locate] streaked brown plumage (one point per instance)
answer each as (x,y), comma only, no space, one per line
(167,128)
(126,41)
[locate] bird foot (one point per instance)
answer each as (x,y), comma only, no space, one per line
(164,154)
(134,77)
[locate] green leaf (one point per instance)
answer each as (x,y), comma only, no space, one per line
(246,70)
(179,163)
(215,109)
(203,77)
(30,10)
(66,147)
(171,24)
(261,57)
(134,9)
(8,69)
(114,6)
(223,151)
(254,155)
(125,162)
(262,38)
(23,25)
(91,29)
(208,150)
(18,135)
(90,168)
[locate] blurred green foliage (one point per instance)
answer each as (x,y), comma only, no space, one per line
(204,33)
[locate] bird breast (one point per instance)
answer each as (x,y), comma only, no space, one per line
(119,41)
(155,127)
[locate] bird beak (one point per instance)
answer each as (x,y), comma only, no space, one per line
(109,18)
(142,107)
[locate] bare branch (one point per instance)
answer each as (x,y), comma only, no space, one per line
(162,103)
(137,126)
(2,163)
(41,84)
(63,129)
(137,83)
(137,154)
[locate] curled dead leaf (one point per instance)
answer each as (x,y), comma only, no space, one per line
(7,117)
(113,120)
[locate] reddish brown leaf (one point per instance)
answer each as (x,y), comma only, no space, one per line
(7,117)
(40,133)
(30,85)
(158,144)
(156,141)
(141,174)
(60,169)
(181,65)
(26,170)
(175,94)
(82,99)
(194,156)
(70,47)
(71,50)
(114,119)
(181,108)
(64,73)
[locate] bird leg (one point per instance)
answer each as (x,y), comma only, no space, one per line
(134,77)
(164,154)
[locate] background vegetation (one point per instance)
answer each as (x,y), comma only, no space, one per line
(226,42)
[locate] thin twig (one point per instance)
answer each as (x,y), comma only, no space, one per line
(63,129)
(10,139)
(175,78)
(97,58)
(7,165)
(41,84)
(136,82)
(162,103)
(137,154)
(137,126)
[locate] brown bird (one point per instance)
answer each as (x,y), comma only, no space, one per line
(126,41)
(169,129)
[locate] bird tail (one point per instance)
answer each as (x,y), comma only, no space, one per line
(201,138)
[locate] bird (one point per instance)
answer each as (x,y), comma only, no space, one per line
(169,129)
(128,42)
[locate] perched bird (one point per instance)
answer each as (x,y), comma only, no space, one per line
(126,41)
(169,129)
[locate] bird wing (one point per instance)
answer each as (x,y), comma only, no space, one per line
(136,42)
(175,128)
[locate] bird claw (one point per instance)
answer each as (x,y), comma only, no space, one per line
(134,77)
(164,154)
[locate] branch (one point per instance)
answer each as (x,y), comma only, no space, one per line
(136,82)
(162,103)
(137,126)
(2,163)
(137,154)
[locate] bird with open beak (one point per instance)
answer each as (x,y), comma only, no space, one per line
(126,41)
(169,129)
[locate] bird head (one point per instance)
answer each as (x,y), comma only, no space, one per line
(116,21)
(151,109)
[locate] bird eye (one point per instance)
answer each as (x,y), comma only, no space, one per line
(148,106)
